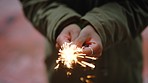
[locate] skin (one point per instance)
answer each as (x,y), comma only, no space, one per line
(68,34)
(87,37)
(22,48)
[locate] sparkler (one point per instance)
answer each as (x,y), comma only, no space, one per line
(69,54)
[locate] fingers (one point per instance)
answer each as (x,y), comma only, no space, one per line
(81,39)
(90,41)
(87,38)
(94,50)
(69,34)
(61,40)
(75,32)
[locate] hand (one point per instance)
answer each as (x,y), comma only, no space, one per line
(69,34)
(90,40)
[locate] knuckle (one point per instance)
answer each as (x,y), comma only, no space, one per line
(58,39)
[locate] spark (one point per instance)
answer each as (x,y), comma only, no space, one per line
(87,79)
(69,54)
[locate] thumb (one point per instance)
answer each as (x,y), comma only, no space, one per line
(81,39)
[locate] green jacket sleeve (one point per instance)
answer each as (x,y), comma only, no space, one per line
(118,21)
(48,16)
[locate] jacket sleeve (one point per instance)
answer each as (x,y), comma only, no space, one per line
(48,16)
(118,21)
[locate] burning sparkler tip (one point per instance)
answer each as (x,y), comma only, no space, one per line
(69,54)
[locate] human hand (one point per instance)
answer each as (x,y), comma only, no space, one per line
(90,40)
(69,34)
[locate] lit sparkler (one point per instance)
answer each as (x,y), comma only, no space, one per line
(69,54)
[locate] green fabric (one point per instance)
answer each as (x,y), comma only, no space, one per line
(47,17)
(116,23)
(122,63)
(112,23)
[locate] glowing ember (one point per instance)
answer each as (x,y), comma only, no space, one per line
(69,54)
